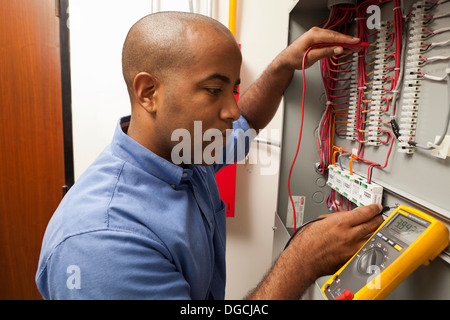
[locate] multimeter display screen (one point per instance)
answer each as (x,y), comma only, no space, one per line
(406,229)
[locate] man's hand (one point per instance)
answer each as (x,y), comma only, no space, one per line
(335,239)
(260,102)
(320,249)
(293,55)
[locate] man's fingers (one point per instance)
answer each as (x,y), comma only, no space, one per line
(314,37)
(317,35)
(319,53)
(362,214)
(363,220)
(363,230)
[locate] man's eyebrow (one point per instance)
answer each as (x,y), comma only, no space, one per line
(220,77)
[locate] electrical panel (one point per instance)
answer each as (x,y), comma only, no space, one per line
(375,126)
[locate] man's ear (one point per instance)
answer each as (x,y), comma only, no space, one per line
(145,87)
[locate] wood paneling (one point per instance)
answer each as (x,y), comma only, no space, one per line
(31,138)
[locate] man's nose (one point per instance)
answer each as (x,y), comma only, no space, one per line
(230,110)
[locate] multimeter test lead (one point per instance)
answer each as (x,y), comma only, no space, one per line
(386,209)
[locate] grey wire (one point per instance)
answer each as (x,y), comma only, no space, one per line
(268,142)
(442,137)
(299,229)
(402,70)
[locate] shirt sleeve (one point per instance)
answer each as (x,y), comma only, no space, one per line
(238,144)
(111,265)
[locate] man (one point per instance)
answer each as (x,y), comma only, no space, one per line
(138,226)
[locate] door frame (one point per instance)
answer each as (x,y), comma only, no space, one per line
(66,93)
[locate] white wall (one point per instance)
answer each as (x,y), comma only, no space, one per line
(99,96)
(262,30)
(98,29)
(97,32)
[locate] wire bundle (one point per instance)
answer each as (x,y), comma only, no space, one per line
(303,112)
(363,87)
(359,113)
(349,87)
(423,13)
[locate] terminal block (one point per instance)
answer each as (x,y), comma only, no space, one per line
(353,186)
(412,82)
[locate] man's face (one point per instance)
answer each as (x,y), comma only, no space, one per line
(202,91)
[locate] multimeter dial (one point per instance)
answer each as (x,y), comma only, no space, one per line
(370,259)
(373,258)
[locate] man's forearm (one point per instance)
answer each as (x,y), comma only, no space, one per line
(287,280)
(260,102)
(319,249)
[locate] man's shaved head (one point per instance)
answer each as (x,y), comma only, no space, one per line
(180,68)
(159,43)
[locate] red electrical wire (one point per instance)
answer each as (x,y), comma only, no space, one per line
(331,71)
(360,45)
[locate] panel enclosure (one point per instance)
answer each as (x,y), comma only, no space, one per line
(418,180)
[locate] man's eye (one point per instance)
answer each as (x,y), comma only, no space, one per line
(214,90)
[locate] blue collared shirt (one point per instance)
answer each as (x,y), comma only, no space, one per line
(136,226)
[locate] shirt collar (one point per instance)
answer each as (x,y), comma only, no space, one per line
(131,151)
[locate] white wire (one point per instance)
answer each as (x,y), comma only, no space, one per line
(402,69)
(443,15)
(435,78)
(437,58)
(441,30)
(329,17)
(442,43)
(430,145)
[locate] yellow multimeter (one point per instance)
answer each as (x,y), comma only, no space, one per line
(407,239)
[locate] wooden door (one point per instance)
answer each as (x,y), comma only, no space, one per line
(31,138)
